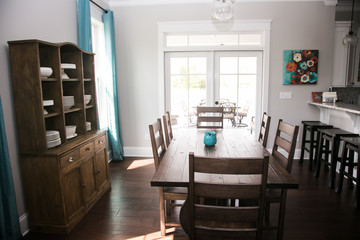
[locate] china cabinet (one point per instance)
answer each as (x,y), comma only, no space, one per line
(61,182)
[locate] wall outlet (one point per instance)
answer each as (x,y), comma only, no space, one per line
(285,95)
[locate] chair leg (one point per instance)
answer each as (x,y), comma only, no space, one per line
(351,169)
(311,150)
(357,189)
(334,157)
(162,212)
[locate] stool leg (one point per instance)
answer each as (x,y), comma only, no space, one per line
(351,168)
(334,157)
(341,170)
(303,145)
(327,152)
(316,146)
(319,155)
(311,149)
(357,192)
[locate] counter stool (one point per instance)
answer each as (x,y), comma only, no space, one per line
(330,136)
(351,145)
(312,127)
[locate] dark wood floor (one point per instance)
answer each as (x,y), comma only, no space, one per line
(130,210)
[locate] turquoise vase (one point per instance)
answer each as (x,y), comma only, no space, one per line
(210,138)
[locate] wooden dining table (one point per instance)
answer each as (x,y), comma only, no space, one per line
(173,170)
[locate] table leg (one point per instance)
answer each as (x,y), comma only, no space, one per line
(281,222)
(162,211)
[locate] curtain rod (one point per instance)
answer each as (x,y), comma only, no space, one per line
(106,11)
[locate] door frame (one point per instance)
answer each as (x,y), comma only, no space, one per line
(196,27)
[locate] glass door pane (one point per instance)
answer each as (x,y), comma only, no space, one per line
(188,74)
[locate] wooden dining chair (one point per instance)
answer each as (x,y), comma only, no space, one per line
(210,117)
(283,153)
(168,128)
(227,222)
(167,195)
(264,129)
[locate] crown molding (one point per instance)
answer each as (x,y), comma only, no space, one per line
(126,3)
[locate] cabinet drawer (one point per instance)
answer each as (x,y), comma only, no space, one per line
(100,142)
(87,149)
(69,159)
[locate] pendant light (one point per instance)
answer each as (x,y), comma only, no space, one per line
(223,10)
(351,39)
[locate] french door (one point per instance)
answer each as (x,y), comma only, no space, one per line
(202,78)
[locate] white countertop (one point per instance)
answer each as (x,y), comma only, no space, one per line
(350,108)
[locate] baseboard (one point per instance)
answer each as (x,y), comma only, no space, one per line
(138,152)
(24,224)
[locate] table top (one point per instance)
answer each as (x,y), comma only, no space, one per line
(174,168)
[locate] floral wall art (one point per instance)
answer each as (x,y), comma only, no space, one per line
(300,66)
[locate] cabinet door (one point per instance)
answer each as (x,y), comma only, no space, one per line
(101,167)
(73,192)
(88,174)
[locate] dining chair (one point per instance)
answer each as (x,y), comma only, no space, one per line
(283,153)
(167,195)
(168,128)
(209,221)
(264,129)
(210,117)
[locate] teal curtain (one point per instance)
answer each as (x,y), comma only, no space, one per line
(84,21)
(115,137)
(9,218)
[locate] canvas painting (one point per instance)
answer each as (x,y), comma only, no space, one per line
(300,66)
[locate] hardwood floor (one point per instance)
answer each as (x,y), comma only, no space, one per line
(130,210)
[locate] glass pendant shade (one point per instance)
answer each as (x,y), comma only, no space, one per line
(223,10)
(350,39)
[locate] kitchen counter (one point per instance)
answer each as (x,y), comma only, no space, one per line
(351,108)
(341,115)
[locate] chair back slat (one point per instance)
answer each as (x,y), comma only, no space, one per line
(167,128)
(209,117)
(285,143)
(210,221)
(157,141)
(264,129)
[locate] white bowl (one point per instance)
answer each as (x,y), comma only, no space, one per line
(70,130)
(46,71)
(68,65)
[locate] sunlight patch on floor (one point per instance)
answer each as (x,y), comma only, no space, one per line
(156,235)
(140,163)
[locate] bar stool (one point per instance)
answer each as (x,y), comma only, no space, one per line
(331,135)
(312,127)
(351,145)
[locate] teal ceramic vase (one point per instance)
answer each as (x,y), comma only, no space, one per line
(210,138)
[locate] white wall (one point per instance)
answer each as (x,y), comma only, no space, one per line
(295,25)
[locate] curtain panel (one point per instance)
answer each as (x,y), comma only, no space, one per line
(84,21)
(9,218)
(115,135)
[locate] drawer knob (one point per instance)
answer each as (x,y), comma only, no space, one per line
(87,149)
(101,141)
(71,159)
(97,172)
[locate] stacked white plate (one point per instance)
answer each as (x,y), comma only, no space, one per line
(87,99)
(70,131)
(52,138)
(66,66)
(68,102)
(88,126)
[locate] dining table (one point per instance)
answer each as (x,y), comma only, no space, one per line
(173,170)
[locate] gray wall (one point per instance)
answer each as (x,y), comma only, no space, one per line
(295,25)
